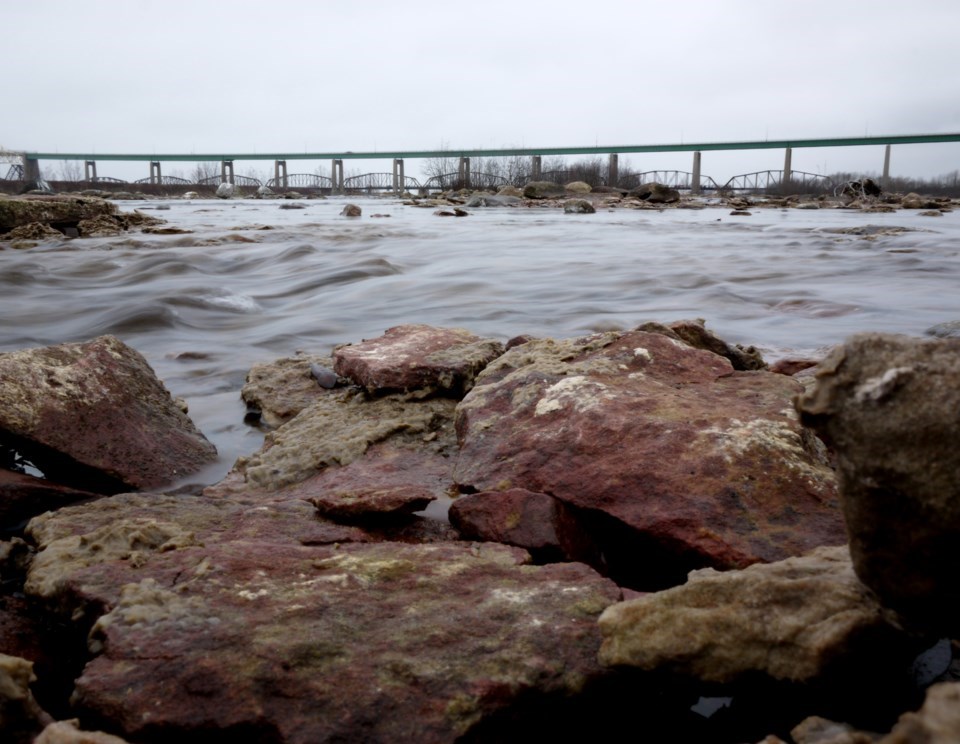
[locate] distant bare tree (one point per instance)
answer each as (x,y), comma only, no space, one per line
(70,170)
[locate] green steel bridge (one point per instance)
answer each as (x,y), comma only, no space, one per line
(30,160)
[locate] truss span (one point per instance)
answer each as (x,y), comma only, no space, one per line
(164,181)
(675,179)
(378,182)
(772,180)
(217,180)
(301,181)
(456,181)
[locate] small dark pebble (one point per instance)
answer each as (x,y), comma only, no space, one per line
(325,377)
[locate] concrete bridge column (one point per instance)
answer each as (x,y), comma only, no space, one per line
(463,172)
(885,181)
(31,170)
(226,171)
(695,185)
(155,176)
(336,175)
(536,167)
(399,181)
(785,185)
(613,169)
(280,166)
(89,170)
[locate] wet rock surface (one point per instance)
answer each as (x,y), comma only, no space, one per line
(94,415)
(887,406)
(672,458)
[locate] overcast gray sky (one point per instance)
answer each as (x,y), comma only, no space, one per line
(201,76)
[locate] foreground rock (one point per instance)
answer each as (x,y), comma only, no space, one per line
(790,620)
(417,357)
(670,458)
(358,642)
(21,718)
(23,496)
(888,406)
(94,415)
(277,391)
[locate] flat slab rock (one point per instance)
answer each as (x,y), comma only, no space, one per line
(415,357)
(376,642)
(96,412)
(668,453)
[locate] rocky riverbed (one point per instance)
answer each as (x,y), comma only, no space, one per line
(452,536)
(309,597)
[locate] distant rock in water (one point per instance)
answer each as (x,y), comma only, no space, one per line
(350,210)
(226,191)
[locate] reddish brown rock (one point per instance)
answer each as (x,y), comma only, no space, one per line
(379,642)
(677,461)
(533,521)
(386,481)
(695,333)
(95,415)
(417,357)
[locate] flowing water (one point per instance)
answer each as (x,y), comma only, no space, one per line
(254,282)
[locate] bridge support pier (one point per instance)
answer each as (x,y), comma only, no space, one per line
(155,176)
(536,166)
(226,171)
(399,180)
(885,180)
(89,170)
(463,172)
(31,170)
(695,177)
(785,185)
(336,175)
(613,169)
(280,166)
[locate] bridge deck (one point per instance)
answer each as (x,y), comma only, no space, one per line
(906,139)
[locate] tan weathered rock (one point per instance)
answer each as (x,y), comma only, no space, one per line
(817,730)
(791,620)
(339,427)
(21,718)
(578,187)
(279,390)
(69,732)
(887,405)
(937,722)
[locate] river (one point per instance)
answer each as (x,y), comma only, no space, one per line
(253,282)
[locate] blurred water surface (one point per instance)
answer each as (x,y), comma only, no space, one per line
(254,282)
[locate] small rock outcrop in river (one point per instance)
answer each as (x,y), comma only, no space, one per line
(888,406)
(95,416)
